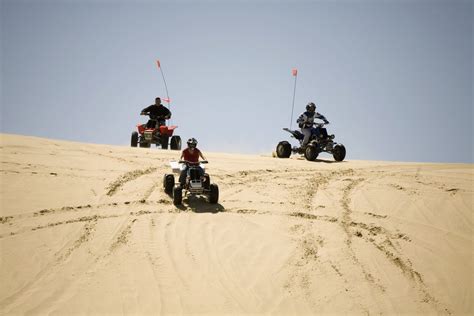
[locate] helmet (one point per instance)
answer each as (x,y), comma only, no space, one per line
(192,142)
(311,107)
(157,100)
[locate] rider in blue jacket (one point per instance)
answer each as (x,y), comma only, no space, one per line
(306,122)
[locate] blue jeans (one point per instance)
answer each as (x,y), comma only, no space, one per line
(307,132)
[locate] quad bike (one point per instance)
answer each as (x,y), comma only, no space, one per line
(160,135)
(319,141)
(195,183)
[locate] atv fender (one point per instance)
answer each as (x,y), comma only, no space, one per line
(167,130)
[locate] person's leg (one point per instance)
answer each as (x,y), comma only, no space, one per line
(316,131)
(324,132)
(182,176)
(307,134)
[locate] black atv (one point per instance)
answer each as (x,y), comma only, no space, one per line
(319,141)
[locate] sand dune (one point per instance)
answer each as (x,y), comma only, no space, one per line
(88,229)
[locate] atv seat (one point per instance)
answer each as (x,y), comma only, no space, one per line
(298,134)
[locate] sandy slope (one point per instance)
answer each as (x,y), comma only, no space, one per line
(88,229)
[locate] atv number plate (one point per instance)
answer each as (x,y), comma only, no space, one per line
(148,135)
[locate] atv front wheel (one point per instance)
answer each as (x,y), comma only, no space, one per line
(177,195)
(168,183)
(175,143)
(207,182)
(339,152)
(283,149)
(214,194)
(311,153)
(134,141)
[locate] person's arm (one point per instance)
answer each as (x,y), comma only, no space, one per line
(168,114)
(202,156)
(145,110)
(321,117)
(163,113)
(303,120)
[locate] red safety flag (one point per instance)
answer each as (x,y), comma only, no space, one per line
(158,63)
(166,100)
(294,72)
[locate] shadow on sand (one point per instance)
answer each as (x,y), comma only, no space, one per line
(199,204)
(328,161)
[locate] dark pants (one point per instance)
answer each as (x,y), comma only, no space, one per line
(185,173)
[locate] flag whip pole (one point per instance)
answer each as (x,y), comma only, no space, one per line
(166,87)
(294,72)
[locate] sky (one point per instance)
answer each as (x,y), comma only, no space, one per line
(394,78)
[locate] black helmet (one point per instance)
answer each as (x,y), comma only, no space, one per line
(192,142)
(311,107)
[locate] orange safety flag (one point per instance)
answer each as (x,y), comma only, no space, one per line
(158,63)
(294,71)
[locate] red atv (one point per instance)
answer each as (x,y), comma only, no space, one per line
(161,135)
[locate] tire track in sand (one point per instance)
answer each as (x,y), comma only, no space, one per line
(126,177)
(306,261)
(345,223)
(52,267)
(386,247)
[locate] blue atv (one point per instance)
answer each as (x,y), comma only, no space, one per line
(319,141)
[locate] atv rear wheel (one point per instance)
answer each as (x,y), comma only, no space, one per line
(339,152)
(134,141)
(283,149)
(214,194)
(177,195)
(175,143)
(311,153)
(168,183)
(164,141)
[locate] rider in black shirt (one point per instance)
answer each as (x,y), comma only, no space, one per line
(158,114)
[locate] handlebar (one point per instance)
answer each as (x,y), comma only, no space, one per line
(321,124)
(193,163)
(156,117)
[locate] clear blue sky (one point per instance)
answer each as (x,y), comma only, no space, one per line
(394,78)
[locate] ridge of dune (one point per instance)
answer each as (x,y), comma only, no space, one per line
(88,229)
